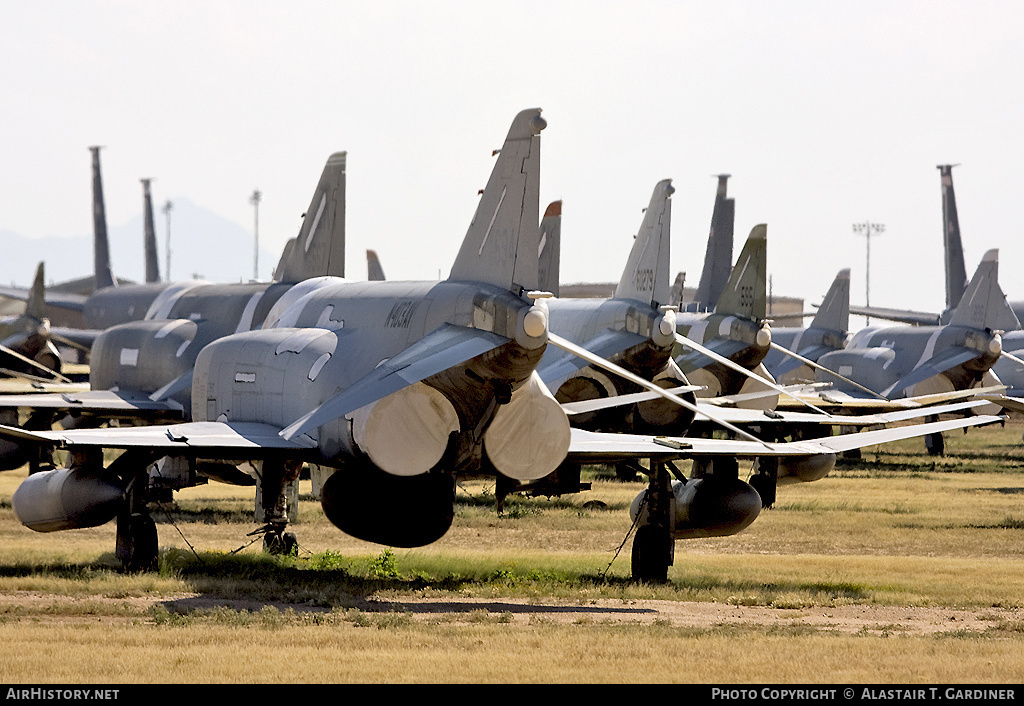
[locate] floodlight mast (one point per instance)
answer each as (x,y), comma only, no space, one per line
(167,214)
(867,228)
(255,199)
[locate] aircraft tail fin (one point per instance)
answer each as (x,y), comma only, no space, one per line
(676,295)
(102,273)
(834,312)
(746,294)
(501,244)
(149,235)
(983,304)
(319,248)
(35,305)
(718,257)
(549,255)
(956,271)
(374,271)
(645,277)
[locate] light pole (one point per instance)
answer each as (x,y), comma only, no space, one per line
(167,214)
(867,228)
(255,199)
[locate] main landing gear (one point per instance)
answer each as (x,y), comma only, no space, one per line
(653,546)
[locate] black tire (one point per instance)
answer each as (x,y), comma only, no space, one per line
(137,545)
(650,558)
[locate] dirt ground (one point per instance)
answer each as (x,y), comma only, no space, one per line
(848,619)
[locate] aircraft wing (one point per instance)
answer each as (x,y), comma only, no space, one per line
(220,439)
(19,386)
(558,364)
(942,361)
(593,447)
(106,402)
(439,350)
(835,399)
(737,415)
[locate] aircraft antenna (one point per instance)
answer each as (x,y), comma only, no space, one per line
(867,229)
(255,199)
(167,214)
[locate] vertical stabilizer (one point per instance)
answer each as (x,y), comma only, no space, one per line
(102,274)
(319,248)
(834,312)
(718,257)
(550,251)
(746,294)
(983,304)
(645,277)
(501,245)
(374,271)
(956,271)
(676,295)
(35,305)
(149,234)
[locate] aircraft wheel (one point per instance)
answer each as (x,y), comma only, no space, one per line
(284,543)
(651,551)
(137,545)
(765,487)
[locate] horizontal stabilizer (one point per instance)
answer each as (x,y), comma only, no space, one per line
(695,360)
(558,365)
(811,353)
(903,316)
(439,350)
(941,362)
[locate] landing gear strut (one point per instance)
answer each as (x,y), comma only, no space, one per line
(653,546)
(278,478)
(136,546)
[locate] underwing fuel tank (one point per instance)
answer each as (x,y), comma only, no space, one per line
(706,507)
(398,511)
(65,498)
(805,469)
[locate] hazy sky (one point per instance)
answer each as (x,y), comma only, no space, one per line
(824,113)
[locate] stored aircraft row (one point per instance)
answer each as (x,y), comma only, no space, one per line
(390,391)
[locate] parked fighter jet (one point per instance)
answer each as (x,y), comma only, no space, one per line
(736,329)
(141,371)
(397,387)
(897,361)
(1009,368)
(828,331)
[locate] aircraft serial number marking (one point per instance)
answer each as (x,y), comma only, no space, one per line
(400,315)
(643,280)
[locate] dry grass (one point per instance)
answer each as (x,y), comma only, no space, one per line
(541,594)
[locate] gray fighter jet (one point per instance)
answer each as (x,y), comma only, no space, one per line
(397,388)
(828,331)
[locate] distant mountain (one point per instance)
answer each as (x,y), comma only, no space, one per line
(203,245)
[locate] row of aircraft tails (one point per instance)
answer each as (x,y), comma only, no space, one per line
(389,391)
